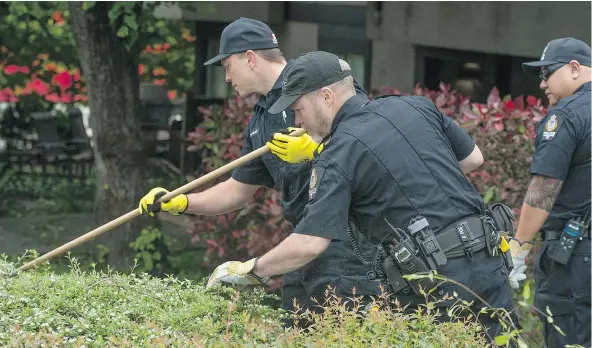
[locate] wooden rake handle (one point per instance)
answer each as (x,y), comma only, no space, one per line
(135,213)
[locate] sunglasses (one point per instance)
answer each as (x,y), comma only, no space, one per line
(548,70)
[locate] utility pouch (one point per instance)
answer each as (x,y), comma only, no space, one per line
(394,277)
(406,256)
(503,217)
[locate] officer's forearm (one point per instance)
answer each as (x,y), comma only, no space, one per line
(291,254)
(540,198)
(531,221)
(222,198)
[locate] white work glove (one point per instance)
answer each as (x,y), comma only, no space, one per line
(519,253)
(236,273)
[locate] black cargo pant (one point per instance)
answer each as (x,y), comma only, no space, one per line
(565,289)
(337,267)
(485,275)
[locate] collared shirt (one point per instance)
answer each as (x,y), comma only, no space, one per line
(393,158)
(269,170)
(563,152)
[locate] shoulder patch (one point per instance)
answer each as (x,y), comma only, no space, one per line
(315,177)
(551,127)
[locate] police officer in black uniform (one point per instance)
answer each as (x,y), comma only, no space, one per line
(557,202)
(250,55)
(392,165)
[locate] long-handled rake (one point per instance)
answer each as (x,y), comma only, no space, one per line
(135,213)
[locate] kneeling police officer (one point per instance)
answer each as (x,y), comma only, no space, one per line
(392,166)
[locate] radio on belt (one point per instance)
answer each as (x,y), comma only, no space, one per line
(567,241)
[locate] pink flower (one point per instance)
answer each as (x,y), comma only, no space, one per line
(24,69)
(510,105)
(38,87)
(7,95)
(53,97)
(57,17)
(11,69)
(66,97)
(64,80)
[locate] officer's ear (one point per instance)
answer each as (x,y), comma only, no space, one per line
(327,95)
(575,69)
(251,58)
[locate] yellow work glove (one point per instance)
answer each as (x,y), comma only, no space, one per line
(236,273)
(293,149)
(175,206)
(519,253)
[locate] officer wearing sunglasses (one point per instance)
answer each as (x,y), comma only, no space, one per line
(557,202)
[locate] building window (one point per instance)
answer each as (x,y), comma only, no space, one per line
(357,62)
(472,74)
(216,86)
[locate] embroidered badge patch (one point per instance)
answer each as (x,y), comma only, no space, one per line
(550,128)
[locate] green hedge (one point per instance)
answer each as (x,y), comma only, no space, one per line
(98,309)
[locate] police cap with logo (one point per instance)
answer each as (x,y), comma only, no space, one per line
(559,52)
(242,35)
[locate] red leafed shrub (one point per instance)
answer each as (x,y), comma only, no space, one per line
(503,129)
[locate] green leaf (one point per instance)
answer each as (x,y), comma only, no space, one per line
(522,129)
(526,291)
(548,311)
(488,195)
(130,21)
(172,40)
(559,329)
(35,25)
(123,32)
(114,12)
(87,5)
(502,340)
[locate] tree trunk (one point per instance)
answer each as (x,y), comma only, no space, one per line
(113,96)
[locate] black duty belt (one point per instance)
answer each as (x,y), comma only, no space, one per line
(471,228)
(554,235)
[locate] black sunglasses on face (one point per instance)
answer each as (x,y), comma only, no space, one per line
(548,70)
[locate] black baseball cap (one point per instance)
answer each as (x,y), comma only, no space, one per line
(306,74)
(560,51)
(242,35)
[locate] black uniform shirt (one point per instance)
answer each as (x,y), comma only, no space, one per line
(269,170)
(394,158)
(563,152)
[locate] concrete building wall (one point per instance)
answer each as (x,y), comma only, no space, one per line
(296,38)
(514,28)
(393,64)
(511,28)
